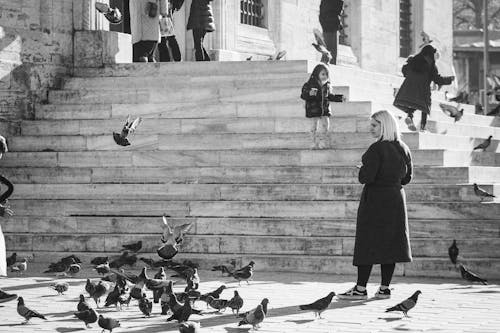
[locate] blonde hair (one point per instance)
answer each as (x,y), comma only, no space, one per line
(389,128)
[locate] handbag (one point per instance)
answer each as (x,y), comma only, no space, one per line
(166,26)
(152,9)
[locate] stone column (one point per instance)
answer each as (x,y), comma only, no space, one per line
(86,17)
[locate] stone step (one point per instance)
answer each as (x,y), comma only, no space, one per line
(463,129)
(282,209)
(344,227)
(241,245)
(193,82)
(240,192)
(190,68)
(150,127)
(426,267)
(238,175)
(244,158)
(208,141)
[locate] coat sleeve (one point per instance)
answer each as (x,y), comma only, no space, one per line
(335,98)
(371,163)
(409,168)
(305,92)
(440,80)
(404,70)
(10,188)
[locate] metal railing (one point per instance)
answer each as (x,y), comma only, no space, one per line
(252,12)
(405,39)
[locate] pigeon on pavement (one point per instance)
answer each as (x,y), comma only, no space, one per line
(112,298)
(99,261)
(254,318)
(82,304)
(108,323)
(406,305)
(235,303)
(264,304)
(20,267)
(183,313)
(103,268)
(88,316)
(217,303)
(60,287)
(27,313)
(453,252)
(485,144)
(99,291)
(244,273)
(189,327)
(471,276)
(12,259)
(320,305)
(145,305)
(482,193)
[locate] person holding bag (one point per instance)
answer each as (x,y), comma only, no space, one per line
(144,18)
(201,21)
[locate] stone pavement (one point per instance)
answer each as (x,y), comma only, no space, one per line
(444,306)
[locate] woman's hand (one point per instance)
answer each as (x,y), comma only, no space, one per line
(5,211)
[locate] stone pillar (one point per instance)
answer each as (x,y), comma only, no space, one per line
(86,17)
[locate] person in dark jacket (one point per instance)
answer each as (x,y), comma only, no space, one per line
(330,20)
(415,92)
(4,212)
(201,21)
(318,94)
(382,235)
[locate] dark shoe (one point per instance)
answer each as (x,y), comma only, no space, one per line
(4,297)
(383,293)
(353,294)
(411,124)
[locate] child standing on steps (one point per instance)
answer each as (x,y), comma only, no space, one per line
(318,94)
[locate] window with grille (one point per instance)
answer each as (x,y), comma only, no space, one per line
(343,37)
(405,40)
(252,12)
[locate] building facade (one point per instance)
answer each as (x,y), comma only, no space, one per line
(41,40)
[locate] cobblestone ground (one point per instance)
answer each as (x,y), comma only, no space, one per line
(444,306)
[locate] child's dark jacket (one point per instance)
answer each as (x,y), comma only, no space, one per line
(319,105)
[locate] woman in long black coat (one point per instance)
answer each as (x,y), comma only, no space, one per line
(415,92)
(382,235)
(201,21)
(330,20)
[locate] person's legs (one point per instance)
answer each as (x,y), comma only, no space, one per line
(423,121)
(198,35)
(139,53)
(387,271)
(314,131)
(409,120)
(163,50)
(358,292)
(364,272)
(150,48)
(331,41)
(174,47)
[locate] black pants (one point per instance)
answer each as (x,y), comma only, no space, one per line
(200,52)
(423,120)
(10,189)
(144,49)
(331,44)
(364,272)
(167,43)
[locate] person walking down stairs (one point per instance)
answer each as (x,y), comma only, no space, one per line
(317,94)
(201,21)
(144,18)
(415,92)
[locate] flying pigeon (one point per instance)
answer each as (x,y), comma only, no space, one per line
(482,193)
(26,313)
(426,39)
(320,305)
(108,323)
(254,318)
(60,287)
(129,127)
(134,247)
(485,144)
(113,15)
(99,261)
(471,276)
(453,252)
(452,111)
(278,56)
(320,46)
(103,268)
(235,303)
(189,327)
(145,305)
(12,259)
(249,58)
(88,316)
(82,304)
(406,305)
(20,267)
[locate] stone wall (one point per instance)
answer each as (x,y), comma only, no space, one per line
(35,47)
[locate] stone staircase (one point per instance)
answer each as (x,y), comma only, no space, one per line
(226,146)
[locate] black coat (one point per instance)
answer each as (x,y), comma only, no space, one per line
(201,16)
(319,105)
(415,92)
(329,15)
(382,235)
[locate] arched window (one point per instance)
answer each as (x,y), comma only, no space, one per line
(405,27)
